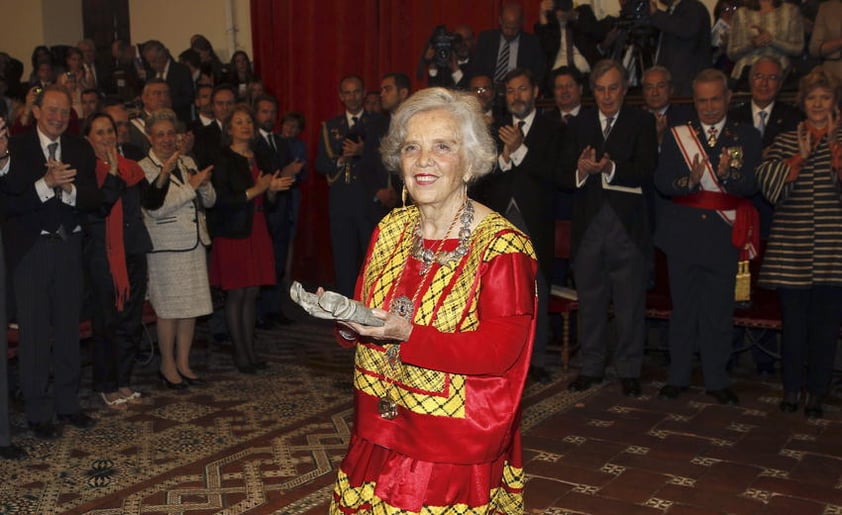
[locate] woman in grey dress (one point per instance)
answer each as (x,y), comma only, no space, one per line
(178,276)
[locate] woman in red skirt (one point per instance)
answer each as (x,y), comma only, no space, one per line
(241,257)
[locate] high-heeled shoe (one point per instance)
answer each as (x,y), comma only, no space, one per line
(169,384)
(193,381)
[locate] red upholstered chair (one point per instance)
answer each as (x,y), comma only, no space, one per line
(563,300)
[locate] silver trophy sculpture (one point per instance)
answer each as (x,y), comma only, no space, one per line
(333,306)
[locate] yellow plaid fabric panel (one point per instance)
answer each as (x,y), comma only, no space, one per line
(448,304)
(506,499)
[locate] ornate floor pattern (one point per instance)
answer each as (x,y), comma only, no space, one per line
(271,443)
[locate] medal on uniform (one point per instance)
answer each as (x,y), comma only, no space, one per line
(736,155)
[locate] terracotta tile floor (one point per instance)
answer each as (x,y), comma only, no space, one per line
(616,455)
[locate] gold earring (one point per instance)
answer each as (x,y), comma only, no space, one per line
(403,195)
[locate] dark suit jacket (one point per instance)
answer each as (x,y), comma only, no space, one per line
(132,152)
(685,43)
(586,31)
(269,161)
(232,215)
(207,145)
(529,55)
(181,89)
(26,215)
(700,235)
(632,145)
(784,118)
(532,184)
(358,193)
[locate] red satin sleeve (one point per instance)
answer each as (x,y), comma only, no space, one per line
(505,311)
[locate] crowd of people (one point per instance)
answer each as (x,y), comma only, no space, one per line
(442,206)
(164,179)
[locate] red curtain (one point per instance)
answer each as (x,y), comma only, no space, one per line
(301,51)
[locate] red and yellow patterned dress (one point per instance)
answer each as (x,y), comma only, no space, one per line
(454,446)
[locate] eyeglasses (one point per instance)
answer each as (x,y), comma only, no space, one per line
(480,90)
(757,77)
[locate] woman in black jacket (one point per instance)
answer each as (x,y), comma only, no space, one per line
(241,257)
(116,243)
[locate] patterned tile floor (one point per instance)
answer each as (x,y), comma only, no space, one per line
(615,455)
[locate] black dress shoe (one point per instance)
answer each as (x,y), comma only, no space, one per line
(540,375)
(45,430)
(724,396)
(813,408)
(670,391)
(247,369)
(78,419)
(631,386)
(12,452)
(181,385)
(583,382)
(789,404)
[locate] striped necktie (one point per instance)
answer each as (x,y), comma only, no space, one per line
(609,124)
(502,62)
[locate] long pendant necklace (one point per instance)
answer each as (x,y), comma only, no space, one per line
(404,307)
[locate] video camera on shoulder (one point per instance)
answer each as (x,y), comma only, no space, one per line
(634,14)
(444,44)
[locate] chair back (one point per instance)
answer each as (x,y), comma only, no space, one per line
(562,239)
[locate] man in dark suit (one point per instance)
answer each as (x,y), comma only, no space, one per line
(770,118)
(523,188)
(341,145)
(609,156)
(567,95)
(501,50)
(155,95)
(7,449)
(209,138)
(684,43)
(177,75)
(101,78)
(569,36)
(50,180)
(273,155)
(698,232)
(117,111)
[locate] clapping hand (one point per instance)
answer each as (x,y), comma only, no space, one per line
(762,38)
(4,137)
(697,169)
(279,182)
(292,169)
(59,175)
(200,178)
(805,145)
(512,138)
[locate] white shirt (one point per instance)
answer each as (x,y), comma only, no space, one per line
(579,61)
(608,177)
(755,114)
(45,193)
(205,120)
(349,117)
(517,157)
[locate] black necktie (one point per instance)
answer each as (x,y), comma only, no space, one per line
(271,139)
(520,125)
(567,117)
(354,121)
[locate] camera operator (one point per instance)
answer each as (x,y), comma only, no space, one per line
(631,39)
(446,57)
(684,46)
(569,36)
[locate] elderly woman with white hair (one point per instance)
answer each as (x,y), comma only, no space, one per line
(438,386)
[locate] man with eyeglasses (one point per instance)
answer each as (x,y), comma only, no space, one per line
(767,115)
(523,189)
(770,118)
(482,87)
